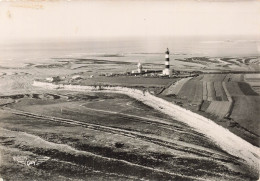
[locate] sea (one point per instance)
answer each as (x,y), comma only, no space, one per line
(16,53)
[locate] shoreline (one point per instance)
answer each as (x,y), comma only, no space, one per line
(221,136)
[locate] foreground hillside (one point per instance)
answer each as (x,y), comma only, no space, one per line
(97,136)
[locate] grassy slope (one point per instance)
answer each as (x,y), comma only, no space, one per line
(181,159)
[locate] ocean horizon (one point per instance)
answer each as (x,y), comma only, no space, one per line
(19,53)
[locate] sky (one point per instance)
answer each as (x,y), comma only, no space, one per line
(129,18)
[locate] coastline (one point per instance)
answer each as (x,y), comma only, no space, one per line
(228,141)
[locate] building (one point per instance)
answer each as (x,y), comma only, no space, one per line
(167,70)
(54,79)
(139,68)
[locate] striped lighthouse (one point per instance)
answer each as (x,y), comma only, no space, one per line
(167,71)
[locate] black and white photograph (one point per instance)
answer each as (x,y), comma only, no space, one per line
(129,90)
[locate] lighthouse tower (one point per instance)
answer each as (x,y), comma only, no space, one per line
(139,68)
(167,71)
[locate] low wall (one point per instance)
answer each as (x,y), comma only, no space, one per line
(228,141)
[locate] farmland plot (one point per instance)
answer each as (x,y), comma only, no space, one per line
(234,89)
(192,90)
(236,77)
(214,77)
(220,93)
(226,91)
(197,99)
(256,87)
(246,112)
(252,76)
(187,90)
(254,81)
(205,92)
(219,108)
(174,89)
(211,91)
(225,96)
(246,89)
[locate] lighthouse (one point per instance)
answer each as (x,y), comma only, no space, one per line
(166,70)
(139,67)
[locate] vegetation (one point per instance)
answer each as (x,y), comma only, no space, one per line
(224,96)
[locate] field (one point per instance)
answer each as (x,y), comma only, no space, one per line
(211,91)
(220,92)
(219,108)
(254,81)
(246,112)
(198,94)
(173,89)
(234,89)
(226,97)
(66,135)
(105,136)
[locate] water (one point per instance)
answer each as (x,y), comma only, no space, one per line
(144,50)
